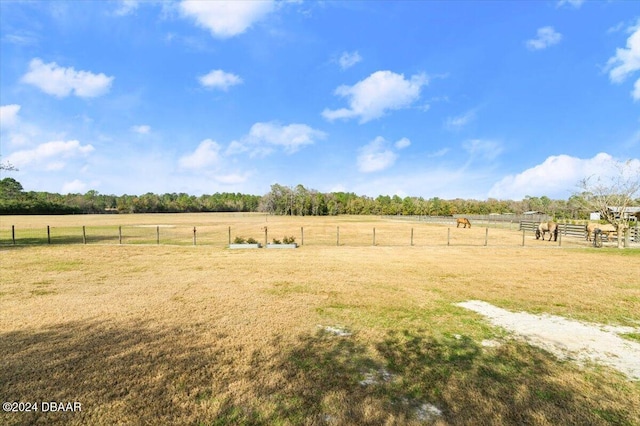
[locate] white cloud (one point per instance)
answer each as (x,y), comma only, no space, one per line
(218,79)
(61,82)
(627,61)
(482,148)
(439,153)
(375,156)
(21,38)
(402,143)
(233,178)
(226,19)
(574,3)
(126,7)
(206,154)
(349,59)
(615,28)
(236,147)
(557,176)
(16,131)
(9,116)
(444,182)
(291,137)
(455,123)
(74,187)
(380,92)
(50,152)
(143,129)
(546,36)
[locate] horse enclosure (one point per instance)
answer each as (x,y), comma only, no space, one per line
(221,229)
(214,229)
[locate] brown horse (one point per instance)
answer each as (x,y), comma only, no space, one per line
(606,228)
(462,221)
(550,227)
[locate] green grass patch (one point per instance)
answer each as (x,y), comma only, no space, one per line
(631,336)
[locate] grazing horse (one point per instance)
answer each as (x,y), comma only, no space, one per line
(463,221)
(550,227)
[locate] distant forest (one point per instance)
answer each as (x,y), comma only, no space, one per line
(280,200)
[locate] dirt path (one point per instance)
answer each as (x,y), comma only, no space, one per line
(568,339)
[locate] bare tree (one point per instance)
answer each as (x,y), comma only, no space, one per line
(8,167)
(612,195)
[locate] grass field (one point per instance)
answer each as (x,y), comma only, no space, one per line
(324,334)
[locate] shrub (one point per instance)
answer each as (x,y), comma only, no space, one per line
(251,241)
(289,240)
(239,240)
(276,241)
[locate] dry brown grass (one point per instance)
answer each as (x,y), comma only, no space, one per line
(207,335)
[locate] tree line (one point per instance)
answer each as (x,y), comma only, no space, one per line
(14,200)
(280,200)
(300,201)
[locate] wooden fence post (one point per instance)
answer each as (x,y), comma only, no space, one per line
(119,234)
(448,236)
(13,234)
(229,235)
(412,236)
(301,236)
(48,235)
(523,231)
(158,234)
(374,236)
(486,236)
(265,236)
(84,235)
(194,235)
(560,238)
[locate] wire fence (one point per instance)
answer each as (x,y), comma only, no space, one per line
(344,234)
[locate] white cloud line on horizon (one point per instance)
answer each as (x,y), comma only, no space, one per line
(557,175)
(219,79)
(233,178)
(372,97)
(545,37)
(74,187)
(225,19)
(62,82)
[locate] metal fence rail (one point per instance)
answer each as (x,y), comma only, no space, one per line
(579,231)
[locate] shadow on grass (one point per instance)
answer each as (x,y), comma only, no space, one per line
(413,379)
(120,376)
(152,375)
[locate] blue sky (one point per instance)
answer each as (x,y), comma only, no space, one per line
(453,99)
